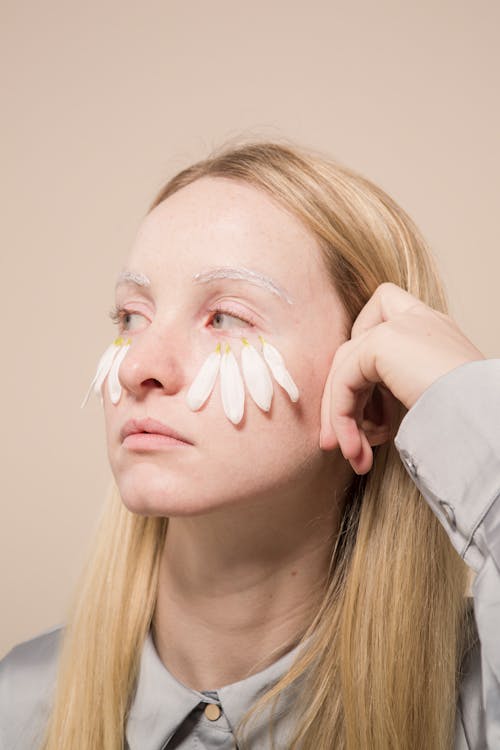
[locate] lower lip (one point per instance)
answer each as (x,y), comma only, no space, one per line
(151,441)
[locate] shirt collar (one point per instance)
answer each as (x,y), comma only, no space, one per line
(161,703)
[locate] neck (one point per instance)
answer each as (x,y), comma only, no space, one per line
(245,581)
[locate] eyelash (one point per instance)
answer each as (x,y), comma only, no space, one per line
(118,315)
(234,314)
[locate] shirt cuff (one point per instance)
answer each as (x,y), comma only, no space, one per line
(449,442)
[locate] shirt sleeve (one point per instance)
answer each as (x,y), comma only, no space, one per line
(449,442)
(27,681)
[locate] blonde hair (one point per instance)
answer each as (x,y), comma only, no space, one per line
(382,666)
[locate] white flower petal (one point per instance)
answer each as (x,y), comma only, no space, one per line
(278,368)
(103,367)
(286,381)
(114,385)
(203,384)
(232,387)
(256,374)
(118,343)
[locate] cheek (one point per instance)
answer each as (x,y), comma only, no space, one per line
(113,417)
(267,452)
(285,434)
(110,415)
(265,457)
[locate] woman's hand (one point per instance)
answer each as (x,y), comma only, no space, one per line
(399,346)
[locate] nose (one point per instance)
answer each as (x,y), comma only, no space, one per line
(153,361)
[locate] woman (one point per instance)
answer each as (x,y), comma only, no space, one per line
(306,455)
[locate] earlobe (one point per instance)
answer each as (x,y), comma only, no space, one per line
(375,434)
(380,416)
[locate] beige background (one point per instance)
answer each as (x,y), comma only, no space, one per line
(105,99)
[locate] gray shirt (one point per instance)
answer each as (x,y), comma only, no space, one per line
(449,442)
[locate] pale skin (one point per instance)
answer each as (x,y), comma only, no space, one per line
(253,509)
(396,341)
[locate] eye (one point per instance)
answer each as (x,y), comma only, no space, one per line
(123,318)
(219,315)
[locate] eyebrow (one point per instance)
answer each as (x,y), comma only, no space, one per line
(211,274)
(245,274)
(132,277)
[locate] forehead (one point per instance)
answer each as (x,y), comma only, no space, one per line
(223,222)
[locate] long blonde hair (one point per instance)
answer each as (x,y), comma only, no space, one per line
(382,666)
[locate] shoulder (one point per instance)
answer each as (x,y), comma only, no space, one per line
(27,680)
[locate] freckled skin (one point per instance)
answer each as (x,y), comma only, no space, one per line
(227,223)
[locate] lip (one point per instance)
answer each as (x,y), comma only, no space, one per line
(152,427)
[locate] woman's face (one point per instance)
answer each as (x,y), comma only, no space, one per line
(214,223)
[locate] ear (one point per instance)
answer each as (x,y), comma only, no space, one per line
(380,416)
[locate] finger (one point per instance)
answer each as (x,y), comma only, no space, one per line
(361,455)
(363,462)
(328,439)
(356,374)
(387,301)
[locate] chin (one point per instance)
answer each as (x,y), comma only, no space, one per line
(164,498)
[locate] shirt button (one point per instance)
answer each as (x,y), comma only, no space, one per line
(410,463)
(212,711)
(449,514)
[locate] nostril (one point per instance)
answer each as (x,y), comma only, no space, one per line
(152,382)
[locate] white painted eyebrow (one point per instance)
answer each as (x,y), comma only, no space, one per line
(238,272)
(125,277)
